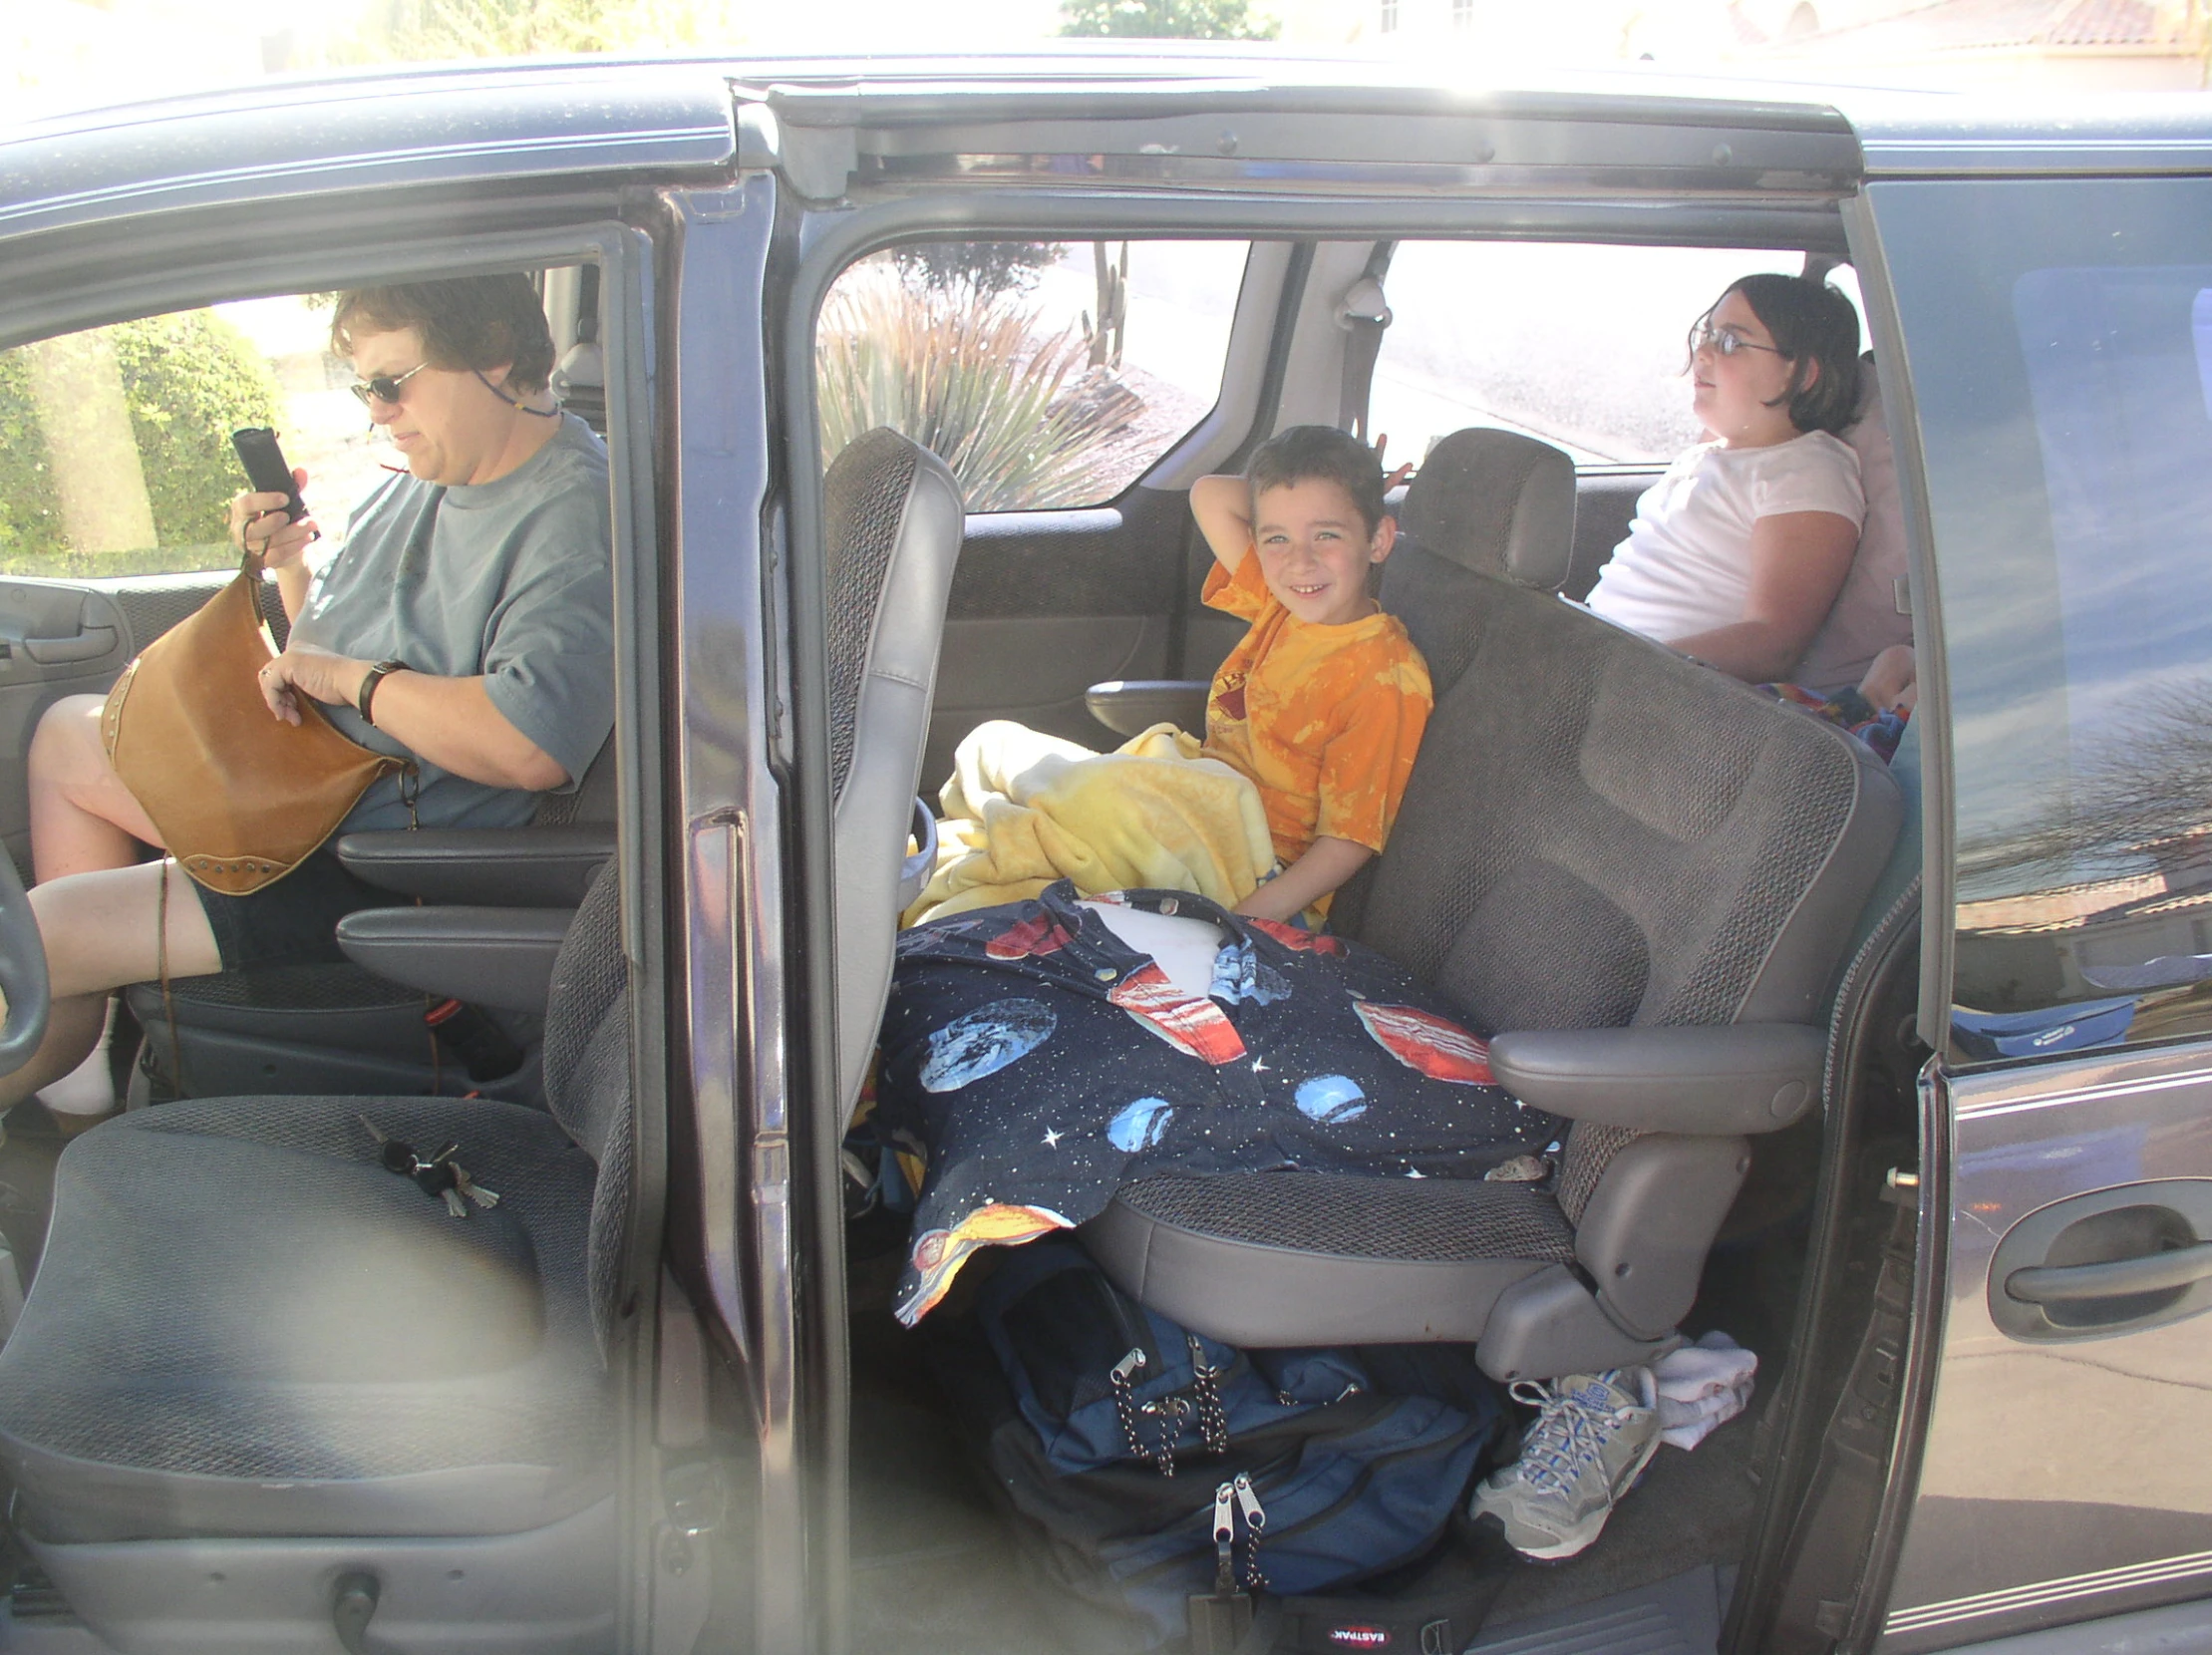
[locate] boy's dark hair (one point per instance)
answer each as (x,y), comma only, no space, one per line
(1811,324)
(1304,453)
(465,322)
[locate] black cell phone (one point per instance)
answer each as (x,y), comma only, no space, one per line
(266,467)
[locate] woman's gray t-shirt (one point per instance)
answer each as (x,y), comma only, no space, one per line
(508,579)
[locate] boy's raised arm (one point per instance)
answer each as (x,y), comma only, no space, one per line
(1223,504)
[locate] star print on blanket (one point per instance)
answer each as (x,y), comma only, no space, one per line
(1032,1062)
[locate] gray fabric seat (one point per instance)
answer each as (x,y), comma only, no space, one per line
(893,522)
(1637,877)
(244,1326)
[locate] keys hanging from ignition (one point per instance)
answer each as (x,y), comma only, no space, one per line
(439,1176)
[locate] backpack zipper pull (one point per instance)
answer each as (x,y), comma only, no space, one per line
(1224,1539)
(1219,1624)
(1127,1410)
(1255,1523)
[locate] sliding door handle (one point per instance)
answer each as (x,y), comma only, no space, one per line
(2115,1278)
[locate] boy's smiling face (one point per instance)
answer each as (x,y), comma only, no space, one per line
(1314,551)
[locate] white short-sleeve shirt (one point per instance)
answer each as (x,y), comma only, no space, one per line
(1685,567)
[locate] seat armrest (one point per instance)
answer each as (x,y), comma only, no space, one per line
(1736,1078)
(507,867)
(1132,706)
(501,957)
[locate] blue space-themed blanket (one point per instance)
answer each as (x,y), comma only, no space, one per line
(1032,1062)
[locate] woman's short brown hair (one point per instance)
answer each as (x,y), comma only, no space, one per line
(467,322)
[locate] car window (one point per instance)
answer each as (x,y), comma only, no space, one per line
(1580,345)
(114,442)
(2060,343)
(1044,374)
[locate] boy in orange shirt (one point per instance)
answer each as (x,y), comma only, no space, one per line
(1323,703)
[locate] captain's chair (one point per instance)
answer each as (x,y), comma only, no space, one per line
(257,1369)
(1637,877)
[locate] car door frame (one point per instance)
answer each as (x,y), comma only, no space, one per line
(336,244)
(1963,1105)
(843,227)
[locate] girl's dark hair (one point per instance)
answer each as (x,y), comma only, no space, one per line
(465,322)
(1304,453)
(1811,324)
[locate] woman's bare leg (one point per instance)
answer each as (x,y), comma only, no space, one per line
(101,930)
(82,815)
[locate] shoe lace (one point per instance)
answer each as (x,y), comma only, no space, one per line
(1567,1434)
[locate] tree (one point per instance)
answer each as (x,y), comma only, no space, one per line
(422,31)
(186,380)
(1164,20)
(984,270)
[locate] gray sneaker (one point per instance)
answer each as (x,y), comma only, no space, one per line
(1593,1436)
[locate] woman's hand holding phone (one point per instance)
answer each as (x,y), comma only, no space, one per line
(260,525)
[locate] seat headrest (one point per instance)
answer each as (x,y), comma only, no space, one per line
(582,366)
(1497,503)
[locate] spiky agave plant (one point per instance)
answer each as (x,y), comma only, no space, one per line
(972,379)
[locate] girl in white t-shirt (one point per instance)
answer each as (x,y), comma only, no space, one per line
(1737,553)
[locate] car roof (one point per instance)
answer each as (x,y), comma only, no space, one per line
(673,116)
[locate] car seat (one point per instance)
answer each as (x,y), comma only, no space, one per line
(257,1369)
(1635,876)
(1870,613)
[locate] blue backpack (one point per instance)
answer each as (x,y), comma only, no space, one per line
(1197,1495)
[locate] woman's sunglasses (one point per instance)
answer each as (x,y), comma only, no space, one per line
(384,388)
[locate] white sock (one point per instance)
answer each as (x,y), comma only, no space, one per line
(89,1088)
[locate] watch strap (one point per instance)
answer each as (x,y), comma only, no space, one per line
(367,694)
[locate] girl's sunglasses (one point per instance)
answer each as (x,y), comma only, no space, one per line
(1724,341)
(384,388)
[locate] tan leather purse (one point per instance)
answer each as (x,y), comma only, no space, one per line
(240,796)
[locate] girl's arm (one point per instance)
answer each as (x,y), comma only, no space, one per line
(1223,504)
(1327,863)
(1799,563)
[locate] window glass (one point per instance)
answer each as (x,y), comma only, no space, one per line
(114,442)
(2060,343)
(1583,346)
(1044,374)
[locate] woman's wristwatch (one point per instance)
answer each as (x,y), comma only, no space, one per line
(368,691)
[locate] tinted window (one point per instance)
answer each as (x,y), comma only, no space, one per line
(2060,343)
(1583,346)
(1044,374)
(114,442)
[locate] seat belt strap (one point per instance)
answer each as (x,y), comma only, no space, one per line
(1363,314)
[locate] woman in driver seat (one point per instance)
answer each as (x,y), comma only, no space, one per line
(465,623)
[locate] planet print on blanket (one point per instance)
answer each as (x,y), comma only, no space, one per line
(1033,1064)
(1138,1128)
(1438,1049)
(1331,1098)
(984,1042)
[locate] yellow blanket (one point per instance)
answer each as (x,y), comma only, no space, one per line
(1023,809)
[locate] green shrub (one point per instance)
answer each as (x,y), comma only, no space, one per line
(983,269)
(1010,410)
(30,511)
(190,380)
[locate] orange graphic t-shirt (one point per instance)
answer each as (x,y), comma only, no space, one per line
(1325,720)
